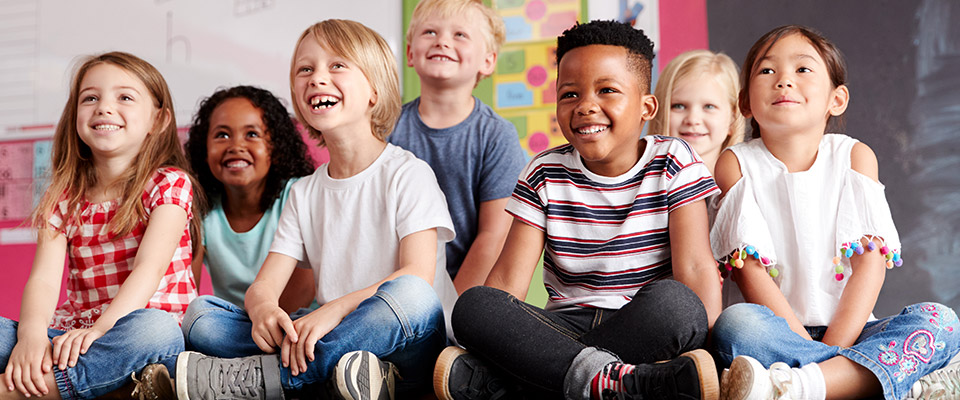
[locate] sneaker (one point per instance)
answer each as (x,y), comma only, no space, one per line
(154,384)
(204,377)
(460,375)
(693,375)
(747,379)
(360,375)
(943,383)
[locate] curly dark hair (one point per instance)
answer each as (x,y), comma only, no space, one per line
(288,152)
(639,47)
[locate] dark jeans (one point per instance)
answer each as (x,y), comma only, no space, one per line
(561,351)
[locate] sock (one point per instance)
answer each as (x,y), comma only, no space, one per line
(814,386)
(609,378)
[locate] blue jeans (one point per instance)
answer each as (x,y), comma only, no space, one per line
(145,336)
(898,349)
(402,323)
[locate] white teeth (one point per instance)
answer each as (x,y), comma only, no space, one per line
(238,164)
(591,129)
(441,58)
(323,101)
(106,127)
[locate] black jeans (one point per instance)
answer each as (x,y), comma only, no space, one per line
(537,347)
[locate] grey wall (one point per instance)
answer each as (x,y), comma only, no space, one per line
(904,71)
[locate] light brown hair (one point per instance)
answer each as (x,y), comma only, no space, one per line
(366,48)
(72,169)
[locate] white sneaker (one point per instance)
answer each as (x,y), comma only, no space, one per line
(943,383)
(747,379)
(360,375)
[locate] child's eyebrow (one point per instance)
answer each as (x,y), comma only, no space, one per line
(800,56)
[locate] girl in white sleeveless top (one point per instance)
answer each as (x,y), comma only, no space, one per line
(805,231)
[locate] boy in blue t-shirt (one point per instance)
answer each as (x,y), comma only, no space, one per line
(475,153)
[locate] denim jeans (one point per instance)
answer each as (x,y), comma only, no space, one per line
(554,352)
(402,323)
(898,349)
(144,336)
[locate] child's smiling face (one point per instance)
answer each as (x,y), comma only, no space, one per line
(238,145)
(601,107)
(115,112)
(701,113)
(451,50)
(332,92)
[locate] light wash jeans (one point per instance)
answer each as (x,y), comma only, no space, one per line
(402,323)
(144,336)
(898,349)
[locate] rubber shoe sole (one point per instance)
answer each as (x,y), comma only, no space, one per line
(707,371)
(745,380)
(441,373)
(360,376)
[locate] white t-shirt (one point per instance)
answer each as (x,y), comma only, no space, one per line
(349,230)
(798,221)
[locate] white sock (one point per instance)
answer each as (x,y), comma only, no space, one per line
(814,387)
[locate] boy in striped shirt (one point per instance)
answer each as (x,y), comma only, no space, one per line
(627,262)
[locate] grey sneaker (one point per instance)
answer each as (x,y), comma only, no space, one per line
(208,378)
(943,383)
(154,383)
(360,375)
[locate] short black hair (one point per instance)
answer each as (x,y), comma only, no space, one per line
(639,47)
(288,152)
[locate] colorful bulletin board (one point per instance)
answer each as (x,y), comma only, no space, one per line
(24,170)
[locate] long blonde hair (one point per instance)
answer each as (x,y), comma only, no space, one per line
(366,48)
(72,169)
(692,63)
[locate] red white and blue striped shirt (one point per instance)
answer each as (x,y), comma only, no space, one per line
(606,237)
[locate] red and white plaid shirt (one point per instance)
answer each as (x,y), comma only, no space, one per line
(101,261)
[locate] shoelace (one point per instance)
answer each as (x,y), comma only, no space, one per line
(781,375)
(941,384)
(656,382)
(243,377)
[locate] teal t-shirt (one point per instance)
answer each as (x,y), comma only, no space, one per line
(233,259)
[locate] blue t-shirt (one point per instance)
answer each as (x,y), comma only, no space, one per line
(477,160)
(233,259)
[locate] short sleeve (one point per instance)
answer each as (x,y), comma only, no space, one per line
(171,186)
(864,212)
(687,179)
(503,159)
(288,239)
(526,204)
(57,217)
(420,202)
(739,225)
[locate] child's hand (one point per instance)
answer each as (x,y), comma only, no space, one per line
(69,346)
(29,361)
(312,327)
(269,327)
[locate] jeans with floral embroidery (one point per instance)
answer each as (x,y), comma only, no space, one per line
(898,349)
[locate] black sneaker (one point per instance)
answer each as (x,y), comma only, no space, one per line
(460,375)
(693,375)
(154,383)
(360,375)
(209,378)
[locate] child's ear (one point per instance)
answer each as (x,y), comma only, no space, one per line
(649,106)
(489,64)
(409,56)
(163,117)
(839,101)
(373,97)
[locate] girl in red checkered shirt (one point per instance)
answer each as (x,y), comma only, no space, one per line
(120,206)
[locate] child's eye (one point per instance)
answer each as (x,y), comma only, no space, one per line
(804,69)
(678,106)
(220,135)
(765,71)
(253,134)
(429,32)
(125,97)
(709,107)
(304,70)
(461,34)
(608,90)
(338,65)
(568,95)
(87,99)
